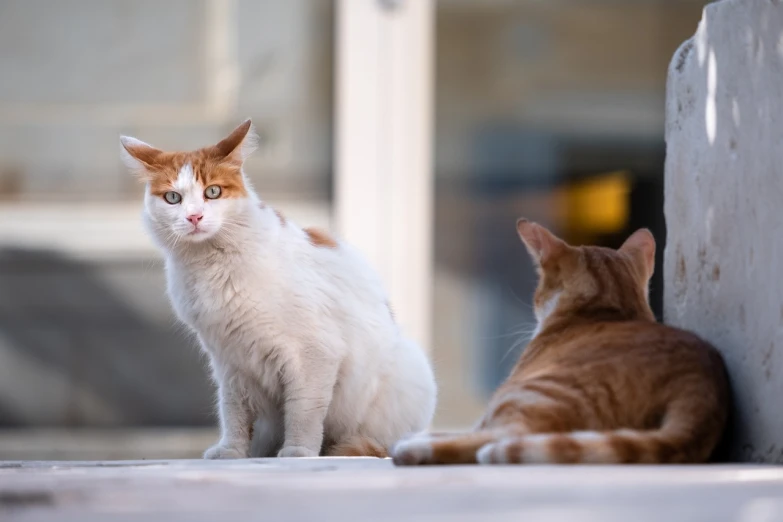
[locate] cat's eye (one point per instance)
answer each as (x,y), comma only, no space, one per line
(212,192)
(172,198)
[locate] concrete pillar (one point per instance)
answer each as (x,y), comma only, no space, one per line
(383,141)
(723,265)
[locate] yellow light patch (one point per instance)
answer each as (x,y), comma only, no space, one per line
(598,205)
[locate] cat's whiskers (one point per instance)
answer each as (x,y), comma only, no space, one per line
(526,335)
(520,300)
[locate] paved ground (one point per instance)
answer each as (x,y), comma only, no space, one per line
(369,489)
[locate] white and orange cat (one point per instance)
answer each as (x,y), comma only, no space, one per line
(601,381)
(296,324)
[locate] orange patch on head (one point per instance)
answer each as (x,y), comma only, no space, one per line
(207,170)
(219,164)
(591,277)
(320,238)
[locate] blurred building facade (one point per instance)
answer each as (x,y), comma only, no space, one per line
(86,335)
(551,110)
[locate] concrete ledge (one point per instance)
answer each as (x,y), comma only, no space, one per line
(373,490)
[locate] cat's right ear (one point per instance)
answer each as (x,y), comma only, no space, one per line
(139,157)
(238,145)
(539,241)
(641,247)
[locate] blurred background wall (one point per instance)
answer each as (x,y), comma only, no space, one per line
(550,110)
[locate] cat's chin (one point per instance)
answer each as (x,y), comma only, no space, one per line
(197,236)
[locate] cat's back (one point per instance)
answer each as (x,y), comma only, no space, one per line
(613,374)
(627,371)
(625,345)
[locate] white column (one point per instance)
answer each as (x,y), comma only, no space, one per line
(383,146)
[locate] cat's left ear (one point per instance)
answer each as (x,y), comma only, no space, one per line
(641,247)
(139,157)
(238,145)
(540,242)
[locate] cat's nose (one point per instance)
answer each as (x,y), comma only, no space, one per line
(195,218)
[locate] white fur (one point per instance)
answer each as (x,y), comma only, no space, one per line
(495,452)
(298,336)
(595,447)
(130,162)
(544,311)
(535,450)
(492,453)
(413,450)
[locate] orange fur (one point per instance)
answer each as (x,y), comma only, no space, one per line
(219,164)
(602,382)
(358,446)
(320,238)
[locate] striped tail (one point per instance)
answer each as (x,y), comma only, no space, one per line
(586,447)
(679,440)
(358,446)
(687,435)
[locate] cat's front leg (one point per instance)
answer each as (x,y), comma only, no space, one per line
(307,398)
(236,421)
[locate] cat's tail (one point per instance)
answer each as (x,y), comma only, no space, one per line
(689,433)
(358,446)
(684,437)
(585,447)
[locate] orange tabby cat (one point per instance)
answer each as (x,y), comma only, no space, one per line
(601,382)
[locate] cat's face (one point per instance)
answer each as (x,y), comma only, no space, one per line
(192,196)
(590,278)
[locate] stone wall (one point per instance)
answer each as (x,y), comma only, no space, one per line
(724,207)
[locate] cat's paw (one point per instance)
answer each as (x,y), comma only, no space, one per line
(296,451)
(412,451)
(224,452)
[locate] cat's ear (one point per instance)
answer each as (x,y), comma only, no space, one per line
(238,145)
(641,247)
(138,156)
(540,242)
